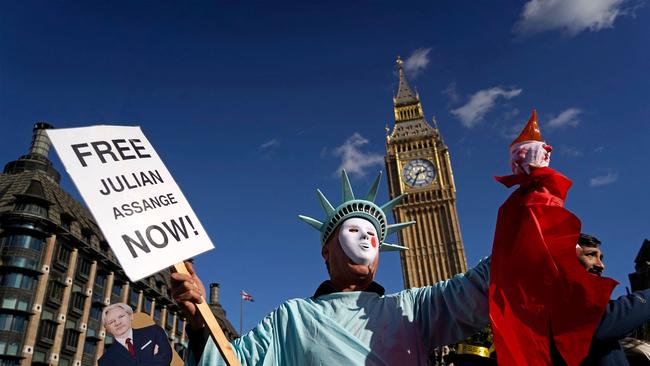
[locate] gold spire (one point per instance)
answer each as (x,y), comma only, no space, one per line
(406,104)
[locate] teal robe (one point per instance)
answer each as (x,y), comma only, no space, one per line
(364,328)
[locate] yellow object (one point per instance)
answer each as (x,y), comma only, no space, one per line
(468,349)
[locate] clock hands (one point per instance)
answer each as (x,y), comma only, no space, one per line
(417,175)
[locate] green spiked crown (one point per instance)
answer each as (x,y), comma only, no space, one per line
(353,207)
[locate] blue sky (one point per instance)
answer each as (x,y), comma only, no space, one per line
(254,105)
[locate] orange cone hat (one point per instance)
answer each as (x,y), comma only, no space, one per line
(530,132)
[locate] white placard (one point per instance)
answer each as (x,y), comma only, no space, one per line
(142,213)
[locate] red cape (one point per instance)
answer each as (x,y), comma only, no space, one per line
(538,288)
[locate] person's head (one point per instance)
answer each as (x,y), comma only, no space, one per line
(351,253)
(117,319)
(589,254)
(353,233)
(528,151)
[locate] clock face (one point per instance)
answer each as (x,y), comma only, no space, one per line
(419,173)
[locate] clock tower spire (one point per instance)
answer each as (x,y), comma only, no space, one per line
(418,164)
(406,104)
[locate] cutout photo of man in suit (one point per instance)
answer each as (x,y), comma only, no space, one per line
(146,346)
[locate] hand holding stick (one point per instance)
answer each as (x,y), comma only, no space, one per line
(189,292)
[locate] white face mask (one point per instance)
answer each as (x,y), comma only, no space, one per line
(528,154)
(359,240)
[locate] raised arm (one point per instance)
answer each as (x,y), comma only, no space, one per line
(452,310)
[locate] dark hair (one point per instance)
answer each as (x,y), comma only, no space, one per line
(588,241)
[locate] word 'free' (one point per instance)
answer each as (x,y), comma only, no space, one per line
(117,149)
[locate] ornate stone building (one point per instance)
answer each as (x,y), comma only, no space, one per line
(418,163)
(57,272)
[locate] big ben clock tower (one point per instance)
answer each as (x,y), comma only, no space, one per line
(418,164)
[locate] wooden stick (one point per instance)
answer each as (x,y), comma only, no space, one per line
(210,321)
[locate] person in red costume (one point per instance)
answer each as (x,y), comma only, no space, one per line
(538,292)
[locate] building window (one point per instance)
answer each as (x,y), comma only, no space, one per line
(98,288)
(90,347)
(70,339)
(170,321)
(17,280)
(47,315)
(22,241)
(91,332)
(96,313)
(14,303)
(31,207)
(100,280)
(55,291)
(63,254)
(77,301)
(146,307)
(83,268)
(133,298)
(71,323)
(66,221)
(12,322)
(117,289)
(47,331)
(156,314)
(39,356)
(9,349)
(21,262)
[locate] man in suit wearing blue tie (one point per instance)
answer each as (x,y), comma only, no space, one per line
(146,346)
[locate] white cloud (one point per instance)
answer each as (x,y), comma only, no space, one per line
(603,180)
(567,118)
(353,160)
(569,16)
(417,62)
(270,144)
(481,103)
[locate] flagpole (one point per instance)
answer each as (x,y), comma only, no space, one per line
(241,314)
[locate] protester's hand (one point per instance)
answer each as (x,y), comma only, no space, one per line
(188,290)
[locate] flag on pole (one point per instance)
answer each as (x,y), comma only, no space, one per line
(246,296)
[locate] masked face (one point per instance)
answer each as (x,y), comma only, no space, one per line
(359,241)
(527,154)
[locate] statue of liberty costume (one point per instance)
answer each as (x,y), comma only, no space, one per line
(361,327)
